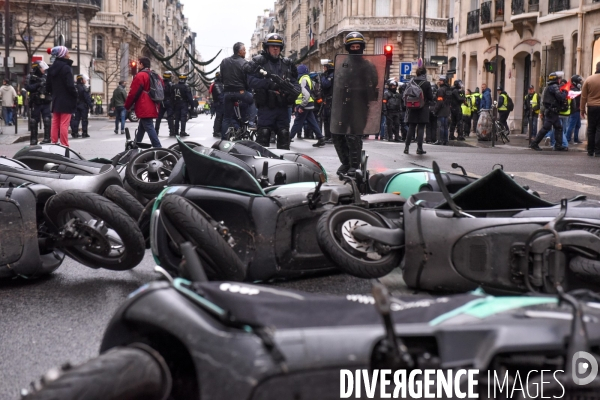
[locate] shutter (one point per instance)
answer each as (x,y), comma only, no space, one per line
(432,9)
(382,8)
(379,44)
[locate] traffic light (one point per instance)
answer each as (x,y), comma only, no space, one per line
(388,50)
(489,67)
(133,68)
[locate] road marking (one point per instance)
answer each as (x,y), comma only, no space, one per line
(119,139)
(558,182)
(591,176)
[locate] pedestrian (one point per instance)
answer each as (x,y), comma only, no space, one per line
(19,105)
(590,98)
(457,99)
(182,99)
(392,108)
(273,105)
(467,108)
(40,101)
(476,103)
(504,108)
(145,108)
(166,106)
(418,118)
(64,95)
(327,88)
(552,99)
(305,106)
(85,104)
(565,111)
(403,124)
(9,99)
(218,95)
(119,97)
(531,104)
(235,84)
(98,104)
(574,123)
(442,109)
(486,97)
(432,127)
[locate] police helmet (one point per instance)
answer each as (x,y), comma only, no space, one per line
(167,75)
(81,78)
(273,39)
(329,65)
(443,78)
(182,77)
(458,83)
(553,77)
(576,79)
(354,38)
(393,83)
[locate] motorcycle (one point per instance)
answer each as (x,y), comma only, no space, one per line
(39,227)
(446,241)
(190,339)
(258,229)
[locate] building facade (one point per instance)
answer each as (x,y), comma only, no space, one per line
(315,29)
(265,24)
(534,38)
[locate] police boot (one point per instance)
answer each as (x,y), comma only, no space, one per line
(183,134)
(263,136)
(171,127)
(283,139)
(47,129)
(354,152)
(84,134)
(341,148)
(33,128)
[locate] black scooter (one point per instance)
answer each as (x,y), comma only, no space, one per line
(189,339)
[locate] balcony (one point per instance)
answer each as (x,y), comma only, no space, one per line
(472,22)
(450,29)
(150,42)
(524,15)
(486,12)
(558,5)
(517,7)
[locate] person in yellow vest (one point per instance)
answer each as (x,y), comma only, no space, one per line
(98,104)
(476,103)
(467,109)
(304,110)
(503,108)
(20,104)
(531,105)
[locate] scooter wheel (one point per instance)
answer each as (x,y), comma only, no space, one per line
(175,147)
(125,200)
(144,221)
(116,242)
(148,172)
(136,372)
(220,260)
(585,268)
(357,258)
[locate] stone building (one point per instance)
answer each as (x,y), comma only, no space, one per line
(534,38)
(315,29)
(265,24)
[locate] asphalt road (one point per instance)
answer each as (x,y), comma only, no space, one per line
(46,322)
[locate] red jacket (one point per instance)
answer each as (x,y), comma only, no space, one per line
(144,106)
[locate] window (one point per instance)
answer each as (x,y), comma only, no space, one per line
(474,5)
(432,8)
(451,10)
(98,46)
(382,8)
(430,49)
(62,33)
(379,43)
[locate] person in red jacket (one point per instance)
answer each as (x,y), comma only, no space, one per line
(145,108)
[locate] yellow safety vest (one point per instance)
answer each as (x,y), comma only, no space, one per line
(504,103)
(98,100)
(299,99)
(466,107)
(568,112)
(474,98)
(535,99)
(19,100)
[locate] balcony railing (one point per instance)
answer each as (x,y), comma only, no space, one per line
(472,22)
(154,44)
(486,12)
(558,5)
(499,10)
(517,7)
(450,28)
(534,5)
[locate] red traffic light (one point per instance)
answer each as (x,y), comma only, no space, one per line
(133,63)
(388,49)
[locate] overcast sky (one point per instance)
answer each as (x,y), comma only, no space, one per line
(221,23)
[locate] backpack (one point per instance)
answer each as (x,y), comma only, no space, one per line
(413,95)
(157,89)
(511,105)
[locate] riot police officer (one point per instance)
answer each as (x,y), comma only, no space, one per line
(84,105)
(327,89)
(552,99)
(218,96)
(272,104)
(166,107)
(182,99)
(39,101)
(392,108)
(457,99)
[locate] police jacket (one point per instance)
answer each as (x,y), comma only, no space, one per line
(392,101)
(442,107)
(84,100)
(327,85)
(168,89)
(36,86)
(265,91)
(457,98)
(553,97)
(181,94)
(233,73)
(218,91)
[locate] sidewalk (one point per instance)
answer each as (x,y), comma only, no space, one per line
(516,140)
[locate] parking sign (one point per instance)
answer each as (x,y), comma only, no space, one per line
(405,68)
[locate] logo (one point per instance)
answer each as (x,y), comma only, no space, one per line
(581,368)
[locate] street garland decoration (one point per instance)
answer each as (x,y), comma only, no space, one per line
(202,63)
(163,59)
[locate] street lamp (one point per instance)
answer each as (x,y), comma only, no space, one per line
(78,46)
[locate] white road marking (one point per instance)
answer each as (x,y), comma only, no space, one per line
(591,176)
(117,139)
(558,182)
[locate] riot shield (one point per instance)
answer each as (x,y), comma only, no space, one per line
(357,94)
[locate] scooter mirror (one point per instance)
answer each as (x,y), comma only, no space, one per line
(49,167)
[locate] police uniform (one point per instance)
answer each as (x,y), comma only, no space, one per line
(84,105)
(327,89)
(552,99)
(39,102)
(457,98)
(218,95)
(182,99)
(273,106)
(392,108)
(166,107)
